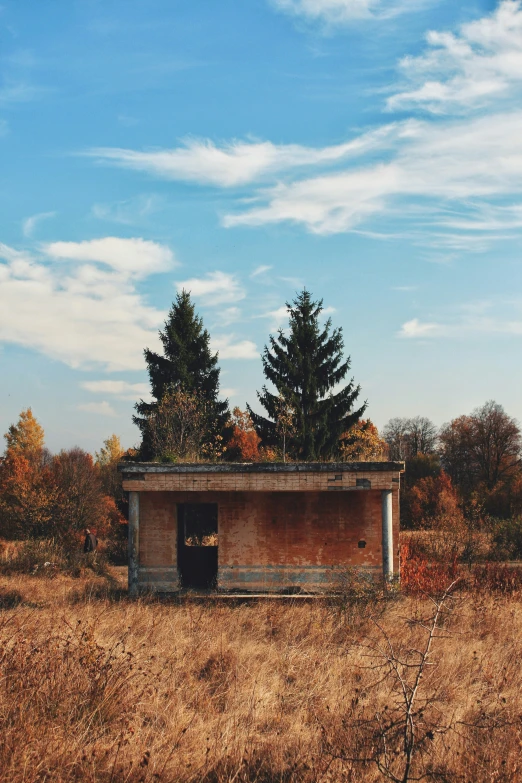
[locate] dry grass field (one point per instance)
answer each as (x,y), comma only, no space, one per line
(94,687)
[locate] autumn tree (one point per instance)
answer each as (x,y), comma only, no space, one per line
(244,443)
(27,495)
(81,501)
(304,365)
(26,437)
(482,451)
(363,443)
(187,365)
(429,501)
(106,460)
(181,428)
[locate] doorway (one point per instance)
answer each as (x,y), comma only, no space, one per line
(198,545)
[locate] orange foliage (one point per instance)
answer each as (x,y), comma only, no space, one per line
(244,443)
(27,495)
(362,443)
(432,498)
(419,575)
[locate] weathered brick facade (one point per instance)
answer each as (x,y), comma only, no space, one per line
(279,526)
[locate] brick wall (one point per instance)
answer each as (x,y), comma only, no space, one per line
(293,481)
(268,540)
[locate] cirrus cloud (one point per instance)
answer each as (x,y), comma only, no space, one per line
(468,69)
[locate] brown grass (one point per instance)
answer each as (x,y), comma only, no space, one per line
(94,687)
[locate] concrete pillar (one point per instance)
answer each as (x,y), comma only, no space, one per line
(387,535)
(134,541)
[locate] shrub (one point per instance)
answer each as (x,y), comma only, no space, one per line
(507,539)
(421,575)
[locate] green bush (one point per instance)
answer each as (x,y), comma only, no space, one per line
(507,539)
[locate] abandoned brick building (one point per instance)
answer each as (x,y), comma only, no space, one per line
(260,527)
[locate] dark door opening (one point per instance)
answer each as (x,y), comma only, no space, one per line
(197,545)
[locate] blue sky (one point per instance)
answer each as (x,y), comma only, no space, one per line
(369,150)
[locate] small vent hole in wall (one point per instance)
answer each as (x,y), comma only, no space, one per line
(363,483)
(361,544)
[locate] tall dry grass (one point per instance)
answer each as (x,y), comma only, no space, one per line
(94,687)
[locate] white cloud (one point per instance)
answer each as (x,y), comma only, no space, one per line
(338,12)
(278,318)
(30,223)
(84,316)
(227,392)
(215,288)
(416,328)
(453,162)
(100,408)
(260,270)
(465,70)
(238,162)
(471,320)
(137,257)
(228,349)
(123,390)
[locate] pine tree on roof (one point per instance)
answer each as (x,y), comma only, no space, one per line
(187,364)
(304,365)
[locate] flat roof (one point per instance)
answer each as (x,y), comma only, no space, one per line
(259,467)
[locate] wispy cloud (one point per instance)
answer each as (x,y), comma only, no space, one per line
(128,212)
(20,92)
(216,288)
(416,328)
(438,181)
(229,316)
(30,223)
(468,69)
(99,408)
(122,390)
(230,348)
(454,162)
(484,317)
(341,12)
(238,163)
(260,270)
(278,318)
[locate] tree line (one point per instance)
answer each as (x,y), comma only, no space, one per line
(469,469)
(46,496)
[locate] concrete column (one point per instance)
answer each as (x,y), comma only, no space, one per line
(134,541)
(387,534)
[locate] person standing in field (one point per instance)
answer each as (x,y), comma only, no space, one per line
(91,542)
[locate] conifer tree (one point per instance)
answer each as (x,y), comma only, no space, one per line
(187,365)
(304,366)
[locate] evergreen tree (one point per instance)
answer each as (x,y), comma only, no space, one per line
(304,367)
(187,365)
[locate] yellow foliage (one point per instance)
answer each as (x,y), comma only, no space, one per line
(363,443)
(26,437)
